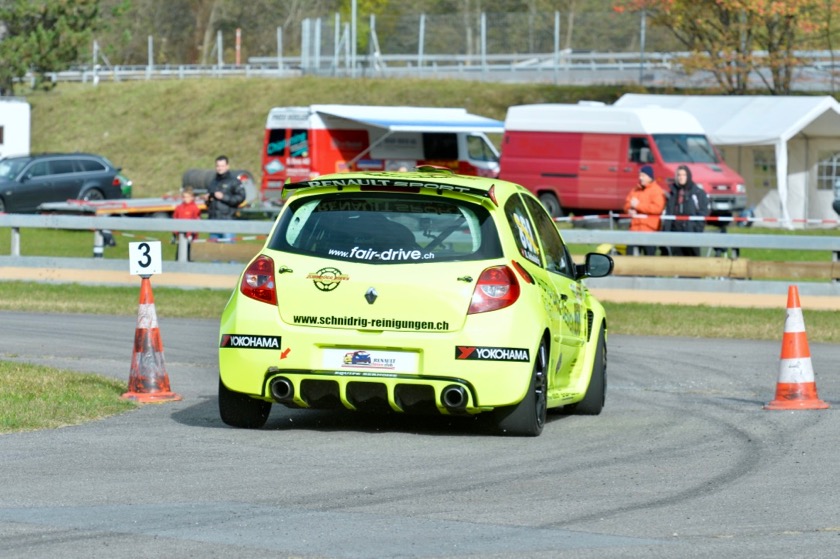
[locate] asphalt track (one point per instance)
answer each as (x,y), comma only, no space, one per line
(683,462)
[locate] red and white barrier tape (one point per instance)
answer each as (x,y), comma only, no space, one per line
(709,219)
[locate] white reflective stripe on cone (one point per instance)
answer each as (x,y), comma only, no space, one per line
(794,321)
(146,316)
(796,371)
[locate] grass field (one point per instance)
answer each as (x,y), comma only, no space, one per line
(156,130)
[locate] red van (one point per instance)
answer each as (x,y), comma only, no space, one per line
(304,142)
(586,157)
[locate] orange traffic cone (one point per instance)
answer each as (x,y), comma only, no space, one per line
(148,381)
(796,389)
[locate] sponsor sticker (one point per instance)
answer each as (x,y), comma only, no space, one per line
(477,353)
(369,360)
(250,341)
(327,279)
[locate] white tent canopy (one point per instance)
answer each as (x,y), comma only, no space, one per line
(765,121)
(414,119)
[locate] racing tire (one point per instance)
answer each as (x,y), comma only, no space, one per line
(596,394)
(93,195)
(240,410)
(527,418)
(551,204)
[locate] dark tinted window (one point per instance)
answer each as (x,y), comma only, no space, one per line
(523,230)
(276,142)
(61,166)
(440,146)
(387,229)
(90,165)
(554,251)
(39,169)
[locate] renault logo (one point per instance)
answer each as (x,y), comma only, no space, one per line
(371,295)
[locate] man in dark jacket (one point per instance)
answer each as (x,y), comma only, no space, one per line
(686,199)
(224,195)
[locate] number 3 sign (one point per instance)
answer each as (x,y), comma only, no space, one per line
(144,258)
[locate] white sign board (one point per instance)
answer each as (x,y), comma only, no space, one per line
(144,258)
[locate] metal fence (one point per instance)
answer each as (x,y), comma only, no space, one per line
(549,47)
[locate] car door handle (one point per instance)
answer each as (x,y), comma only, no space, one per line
(613,169)
(584,167)
(628,169)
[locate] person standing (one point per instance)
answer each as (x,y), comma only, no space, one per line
(187,209)
(687,200)
(224,196)
(645,204)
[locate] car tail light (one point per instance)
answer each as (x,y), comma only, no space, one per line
(116,182)
(497,288)
(258,281)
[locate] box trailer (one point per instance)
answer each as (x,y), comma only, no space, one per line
(15,134)
(304,142)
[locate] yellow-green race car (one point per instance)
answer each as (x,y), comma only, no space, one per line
(414,292)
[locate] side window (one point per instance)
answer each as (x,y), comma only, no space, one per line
(62,167)
(299,143)
(39,169)
(440,146)
(554,250)
(523,230)
(640,151)
(89,165)
(276,142)
(478,150)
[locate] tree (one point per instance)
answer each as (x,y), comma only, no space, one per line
(737,39)
(43,37)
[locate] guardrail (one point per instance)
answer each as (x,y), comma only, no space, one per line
(663,281)
(815,67)
(712,240)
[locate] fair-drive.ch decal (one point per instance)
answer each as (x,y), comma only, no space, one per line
(492,353)
(250,341)
(388,255)
(369,360)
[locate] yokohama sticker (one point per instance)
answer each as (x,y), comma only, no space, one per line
(492,353)
(250,341)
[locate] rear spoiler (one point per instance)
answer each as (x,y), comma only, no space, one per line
(395,184)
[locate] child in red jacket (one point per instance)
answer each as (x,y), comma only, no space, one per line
(187,209)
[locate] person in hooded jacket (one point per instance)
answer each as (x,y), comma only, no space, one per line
(688,200)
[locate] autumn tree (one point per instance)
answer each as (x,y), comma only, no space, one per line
(735,40)
(43,37)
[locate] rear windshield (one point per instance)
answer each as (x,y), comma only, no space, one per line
(381,228)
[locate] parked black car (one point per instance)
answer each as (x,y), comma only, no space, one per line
(28,181)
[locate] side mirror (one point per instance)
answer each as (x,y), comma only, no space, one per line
(597,265)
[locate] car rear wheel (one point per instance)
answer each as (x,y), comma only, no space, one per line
(527,418)
(551,204)
(596,394)
(240,410)
(93,194)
